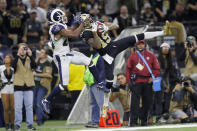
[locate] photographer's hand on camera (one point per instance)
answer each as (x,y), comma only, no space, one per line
(29,52)
(188,87)
(189,46)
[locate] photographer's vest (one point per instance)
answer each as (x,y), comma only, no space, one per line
(88,77)
(190,67)
(24,74)
(124,23)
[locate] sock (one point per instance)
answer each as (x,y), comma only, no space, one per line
(95,73)
(106,99)
(150,35)
(54,92)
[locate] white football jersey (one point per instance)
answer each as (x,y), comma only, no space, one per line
(60,45)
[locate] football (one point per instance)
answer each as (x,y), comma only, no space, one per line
(100,28)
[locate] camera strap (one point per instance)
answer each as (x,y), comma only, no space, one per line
(146,64)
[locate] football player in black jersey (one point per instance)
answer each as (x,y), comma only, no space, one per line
(96,35)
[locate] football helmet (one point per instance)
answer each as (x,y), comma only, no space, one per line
(88,22)
(56,16)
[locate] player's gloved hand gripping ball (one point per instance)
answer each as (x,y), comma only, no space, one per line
(102,28)
(94,27)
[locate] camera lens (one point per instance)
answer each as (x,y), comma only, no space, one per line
(186,84)
(190,44)
(25,48)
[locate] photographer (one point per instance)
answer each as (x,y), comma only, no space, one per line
(23,85)
(181,106)
(123,94)
(191,58)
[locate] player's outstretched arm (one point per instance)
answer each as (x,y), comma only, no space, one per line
(97,41)
(111,26)
(71,33)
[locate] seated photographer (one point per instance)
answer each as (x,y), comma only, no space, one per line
(191,58)
(182,106)
(122,93)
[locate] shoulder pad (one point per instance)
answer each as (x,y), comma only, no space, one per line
(56,29)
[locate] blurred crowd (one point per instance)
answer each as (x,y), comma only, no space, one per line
(24,21)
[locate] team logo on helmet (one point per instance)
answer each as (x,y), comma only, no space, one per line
(56,16)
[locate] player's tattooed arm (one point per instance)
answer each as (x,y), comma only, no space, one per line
(111,26)
(97,41)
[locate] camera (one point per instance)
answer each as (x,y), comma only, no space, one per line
(190,44)
(25,48)
(190,41)
(186,84)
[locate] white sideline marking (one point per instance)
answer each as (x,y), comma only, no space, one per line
(142,128)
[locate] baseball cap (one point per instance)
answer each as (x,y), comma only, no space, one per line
(147,5)
(164,45)
(141,41)
(32,11)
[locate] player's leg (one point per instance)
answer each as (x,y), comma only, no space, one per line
(118,46)
(109,83)
(62,62)
(79,58)
(115,47)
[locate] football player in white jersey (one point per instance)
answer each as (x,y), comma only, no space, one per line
(62,55)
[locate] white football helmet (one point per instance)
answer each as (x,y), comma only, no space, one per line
(84,17)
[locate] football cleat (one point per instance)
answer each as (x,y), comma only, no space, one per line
(45,106)
(104,111)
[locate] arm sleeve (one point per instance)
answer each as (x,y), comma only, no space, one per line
(156,67)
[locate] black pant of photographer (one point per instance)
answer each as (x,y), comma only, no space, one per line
(145,92)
